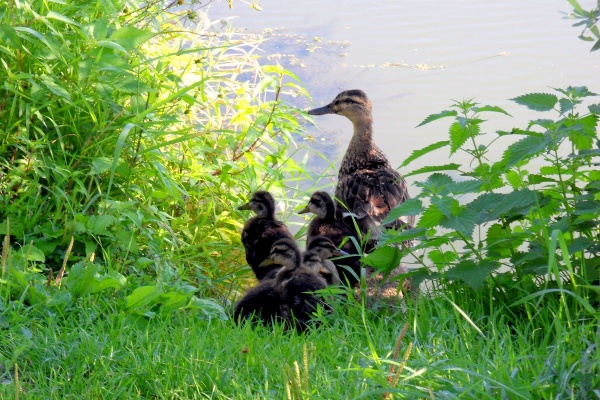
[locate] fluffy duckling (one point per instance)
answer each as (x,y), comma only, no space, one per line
(327,222)
(294,283)
(317,256)
(367,186)
(259,303)
(260,232)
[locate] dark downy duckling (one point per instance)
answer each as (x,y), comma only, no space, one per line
(317,256)
(295,283)
(259,303)
(260,232)
(367,186)
(327,222)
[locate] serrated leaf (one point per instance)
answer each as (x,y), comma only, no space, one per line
(537,101)
(431,217)
(491,109)
(567,105)
(433,117)
(421,152)
(473,274)
(434,168)
(447,205)
(409,207)
(459,134)
(464,187)
(526,148)
(436,184)
(594,108)
(462,220)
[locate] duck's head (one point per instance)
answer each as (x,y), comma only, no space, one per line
(262,203)
(320,204)
(352,104)
(284,252)
(324,247)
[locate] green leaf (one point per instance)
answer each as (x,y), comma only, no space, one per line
(409,207)
(462,220)
(82,277)
(52,86)
(434,168)
(447,205)
(112,280)
(130,37)
(537,101)
(491,109)
(32,253)
(471,273)
(430,217)
(418,153)
(99,224)
(526,148)
(464,187)
(459,133)
(383,258)
(142,296)
(208,307)
(436,184)
(433,117)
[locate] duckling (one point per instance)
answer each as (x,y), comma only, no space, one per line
(259,303)
(367,185)
(317,256)
(328,222)
(295,283)
(260,232)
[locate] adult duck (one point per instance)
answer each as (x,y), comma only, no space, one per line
(368,186)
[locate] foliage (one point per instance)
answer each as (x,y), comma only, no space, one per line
(127,136)
(589,20)
(521,223)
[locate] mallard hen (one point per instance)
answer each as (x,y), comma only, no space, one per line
(328,222)
(295,284)
(368,186)
(260,232)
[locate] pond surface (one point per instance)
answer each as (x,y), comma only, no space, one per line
(413,57)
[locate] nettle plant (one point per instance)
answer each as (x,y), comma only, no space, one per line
(527,220)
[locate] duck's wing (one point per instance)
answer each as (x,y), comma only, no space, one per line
(369,194)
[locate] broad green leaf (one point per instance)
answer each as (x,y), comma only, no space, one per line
(431,217)
(473,274)
(447,205)
(537,101)
(112,280)
(82,277)
(442,258)
(32,253)
(142,296)
(52,86)
(208,307)
(99,224)
(384,258)
(425,150)
(172,301)
(526,148)
(567,105)
(594,109)
(409,207)
(433,117)
(464,187)
(462,220)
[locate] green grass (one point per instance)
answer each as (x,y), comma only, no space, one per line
(463,346)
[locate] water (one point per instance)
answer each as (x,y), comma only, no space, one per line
(413,57)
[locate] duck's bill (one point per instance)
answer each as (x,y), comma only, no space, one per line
(244,207)
(304,210)
(321,110)
(268,261)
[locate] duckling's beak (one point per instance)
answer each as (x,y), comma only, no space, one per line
(328,109)
(245,207)
(304,210)
(268,261)
(340,252)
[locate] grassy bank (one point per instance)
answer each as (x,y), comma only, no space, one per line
(455,347)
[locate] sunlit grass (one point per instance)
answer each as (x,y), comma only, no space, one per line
(459,350)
